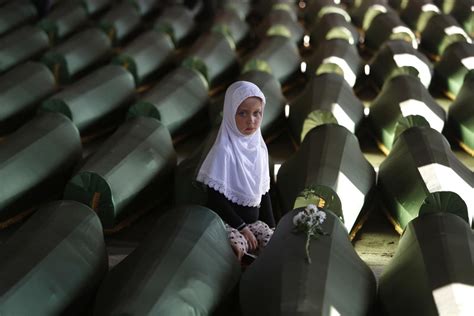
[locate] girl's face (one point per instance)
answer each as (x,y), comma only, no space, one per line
(249,115)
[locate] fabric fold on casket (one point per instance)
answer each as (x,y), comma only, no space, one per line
(420,163)
(185,266)
(330,156)
(432,270)
(281,282)
(53,264)
(35,163)
(131,171)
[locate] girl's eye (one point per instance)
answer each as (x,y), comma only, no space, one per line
(258,113)
(242,113)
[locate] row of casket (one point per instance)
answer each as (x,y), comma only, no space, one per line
(96,102)
(187,266)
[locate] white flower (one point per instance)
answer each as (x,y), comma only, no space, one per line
(311,208)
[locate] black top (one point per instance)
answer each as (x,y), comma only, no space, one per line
(239,216)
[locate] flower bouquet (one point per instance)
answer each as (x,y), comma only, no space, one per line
(309,221)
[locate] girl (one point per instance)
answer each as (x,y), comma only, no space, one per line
(236,171)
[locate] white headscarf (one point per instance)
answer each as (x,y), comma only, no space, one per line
(237,164)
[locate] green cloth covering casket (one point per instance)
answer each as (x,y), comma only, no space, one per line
(281,281)
(185,267)
(16,13)
(432,270)
(327,92)
(129,173)
(22,44)
(175,100)
(63,20)
(396,57)
(16,106)
(329,156)
(420,163)
(146,54)
(78,54)
(461,113)
(54,263)
(94,100)
(120,22)
(402,96)
(36,161)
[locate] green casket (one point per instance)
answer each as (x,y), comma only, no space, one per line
(261,8)
(432,272)
(178,22)
(336,56)
(328,92)
(280,55)
(364,11)
(441,31)
(388,26)
(146,7)
(63,20)
(281,15)
(400,97)
(185,267)
(20,45)
(214,55)
(94,100)
(396,57)
(461,114)
(281,281)
(78,54)
(420,163)
(312,10)
(454,64)
(35,163)
(146,54)
(129,173)
(241,7)
(417,13)
(95,7)
(232,23)
(120,22)
(54,263)
(330,156)
(16,13)
(175,100)
(333,22)
(461,10)
(16,106)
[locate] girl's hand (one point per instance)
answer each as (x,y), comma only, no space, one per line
(250,237)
